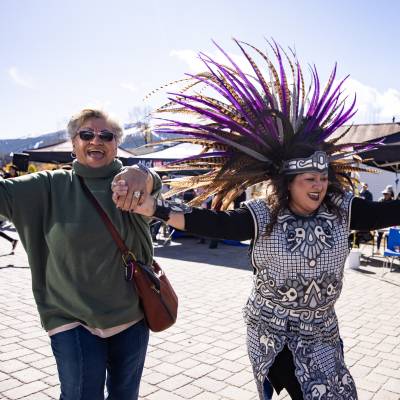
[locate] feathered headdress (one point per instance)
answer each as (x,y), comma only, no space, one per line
(249,123)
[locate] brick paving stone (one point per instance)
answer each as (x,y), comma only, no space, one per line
(146,389)
(164,395)
(10,355)
(45,362)
(52,380)
(385,347)
(207,396)
(393,385)
(8,384)
(154,377)
(210,385)
(187,363)
(219,374)
(5,342)
(188,391)
(216,351)
(364,394)
(368,385)
(168,369)
(369,361)
(32,357)
(375,377)
(26,390)
(53,392)
(38,396)
(50,370)
(207,358)
(12,365)
(152,362)
(229,366)
(235,393)
(240,379)
(175,382)
(199,370)
(385,395)
(29,375)
(390,364)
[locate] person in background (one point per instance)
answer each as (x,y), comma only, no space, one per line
(388,195)
(365,193)
(13,241)
(12,171)
(91,312)
(388,190)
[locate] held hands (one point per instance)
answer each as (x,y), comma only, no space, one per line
(131,188)
(144,204)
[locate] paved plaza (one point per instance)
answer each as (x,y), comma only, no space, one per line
(203,357)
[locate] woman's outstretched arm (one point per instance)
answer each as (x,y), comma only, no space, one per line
(234,225)
(369,215)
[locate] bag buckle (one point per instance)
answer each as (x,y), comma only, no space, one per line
(129,262)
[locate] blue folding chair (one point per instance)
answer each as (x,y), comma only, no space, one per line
(392,250)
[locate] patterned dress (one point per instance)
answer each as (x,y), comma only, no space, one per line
(298,278)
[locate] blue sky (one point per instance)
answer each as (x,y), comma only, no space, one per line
(59,56)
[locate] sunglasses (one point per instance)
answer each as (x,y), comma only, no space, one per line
(105,136)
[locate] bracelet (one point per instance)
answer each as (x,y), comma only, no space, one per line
(164,208)
(143,168)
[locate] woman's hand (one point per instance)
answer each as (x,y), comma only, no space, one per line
(146,206)
(138,184)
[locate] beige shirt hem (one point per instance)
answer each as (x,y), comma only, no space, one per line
(103,333)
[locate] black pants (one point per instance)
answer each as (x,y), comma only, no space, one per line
(282,376)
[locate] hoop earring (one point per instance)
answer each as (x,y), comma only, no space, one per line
(73,155)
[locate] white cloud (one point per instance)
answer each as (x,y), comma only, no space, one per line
(16,76)
(374,106)
(191,58)
(128,86)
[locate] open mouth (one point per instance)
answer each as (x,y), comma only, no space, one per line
(96,154)
(314,196)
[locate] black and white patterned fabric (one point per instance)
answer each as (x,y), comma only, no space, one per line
(298,278)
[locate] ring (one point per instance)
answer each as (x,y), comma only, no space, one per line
(137,194)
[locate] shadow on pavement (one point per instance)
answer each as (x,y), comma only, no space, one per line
(188,249)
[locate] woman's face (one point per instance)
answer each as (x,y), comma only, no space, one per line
(307,191)
(97,151)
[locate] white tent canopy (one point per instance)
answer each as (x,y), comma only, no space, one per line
(162,157)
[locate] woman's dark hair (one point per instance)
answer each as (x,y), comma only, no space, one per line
(278,192)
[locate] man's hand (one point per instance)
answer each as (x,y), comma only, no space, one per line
(138,184)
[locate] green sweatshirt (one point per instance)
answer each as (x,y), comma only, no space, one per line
(77,269)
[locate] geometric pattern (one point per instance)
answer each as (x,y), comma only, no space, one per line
(298,275)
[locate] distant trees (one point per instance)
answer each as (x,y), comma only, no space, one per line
(139,118)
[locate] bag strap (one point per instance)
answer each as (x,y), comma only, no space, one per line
(110,226)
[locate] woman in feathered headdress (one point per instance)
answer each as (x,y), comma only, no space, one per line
(257,128)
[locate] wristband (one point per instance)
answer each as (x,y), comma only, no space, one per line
(143,168)
(164,208)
